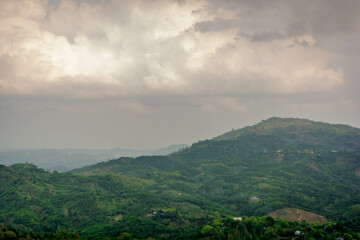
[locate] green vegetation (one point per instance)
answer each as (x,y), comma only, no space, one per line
(218,228)
(192,193)
(35,200)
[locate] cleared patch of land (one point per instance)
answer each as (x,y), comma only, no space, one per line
(297,215)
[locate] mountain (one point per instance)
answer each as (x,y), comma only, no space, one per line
(280,163)
(284,162)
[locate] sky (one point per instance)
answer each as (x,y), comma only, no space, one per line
(150,73)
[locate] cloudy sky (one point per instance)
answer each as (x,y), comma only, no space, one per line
(149,73)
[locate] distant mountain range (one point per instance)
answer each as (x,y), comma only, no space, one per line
(62,160)
(280,163)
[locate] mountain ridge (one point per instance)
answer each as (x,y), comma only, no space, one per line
(276,126)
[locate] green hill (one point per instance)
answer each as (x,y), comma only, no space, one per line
(278,163)
(288,162)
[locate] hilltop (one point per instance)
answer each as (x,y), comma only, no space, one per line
(301,134)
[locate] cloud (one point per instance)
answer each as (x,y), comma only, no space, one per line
(141,48)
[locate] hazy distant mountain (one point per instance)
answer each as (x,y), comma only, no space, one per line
(63,160)
(170,149)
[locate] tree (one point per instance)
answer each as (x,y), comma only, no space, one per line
(347,236)
(207,230)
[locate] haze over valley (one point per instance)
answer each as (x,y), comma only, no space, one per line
(63,160)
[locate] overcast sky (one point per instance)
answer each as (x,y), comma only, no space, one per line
(149,73)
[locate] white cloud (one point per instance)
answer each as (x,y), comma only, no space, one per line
(122,48)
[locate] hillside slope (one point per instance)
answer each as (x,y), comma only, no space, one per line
(279,162)
(104,205)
